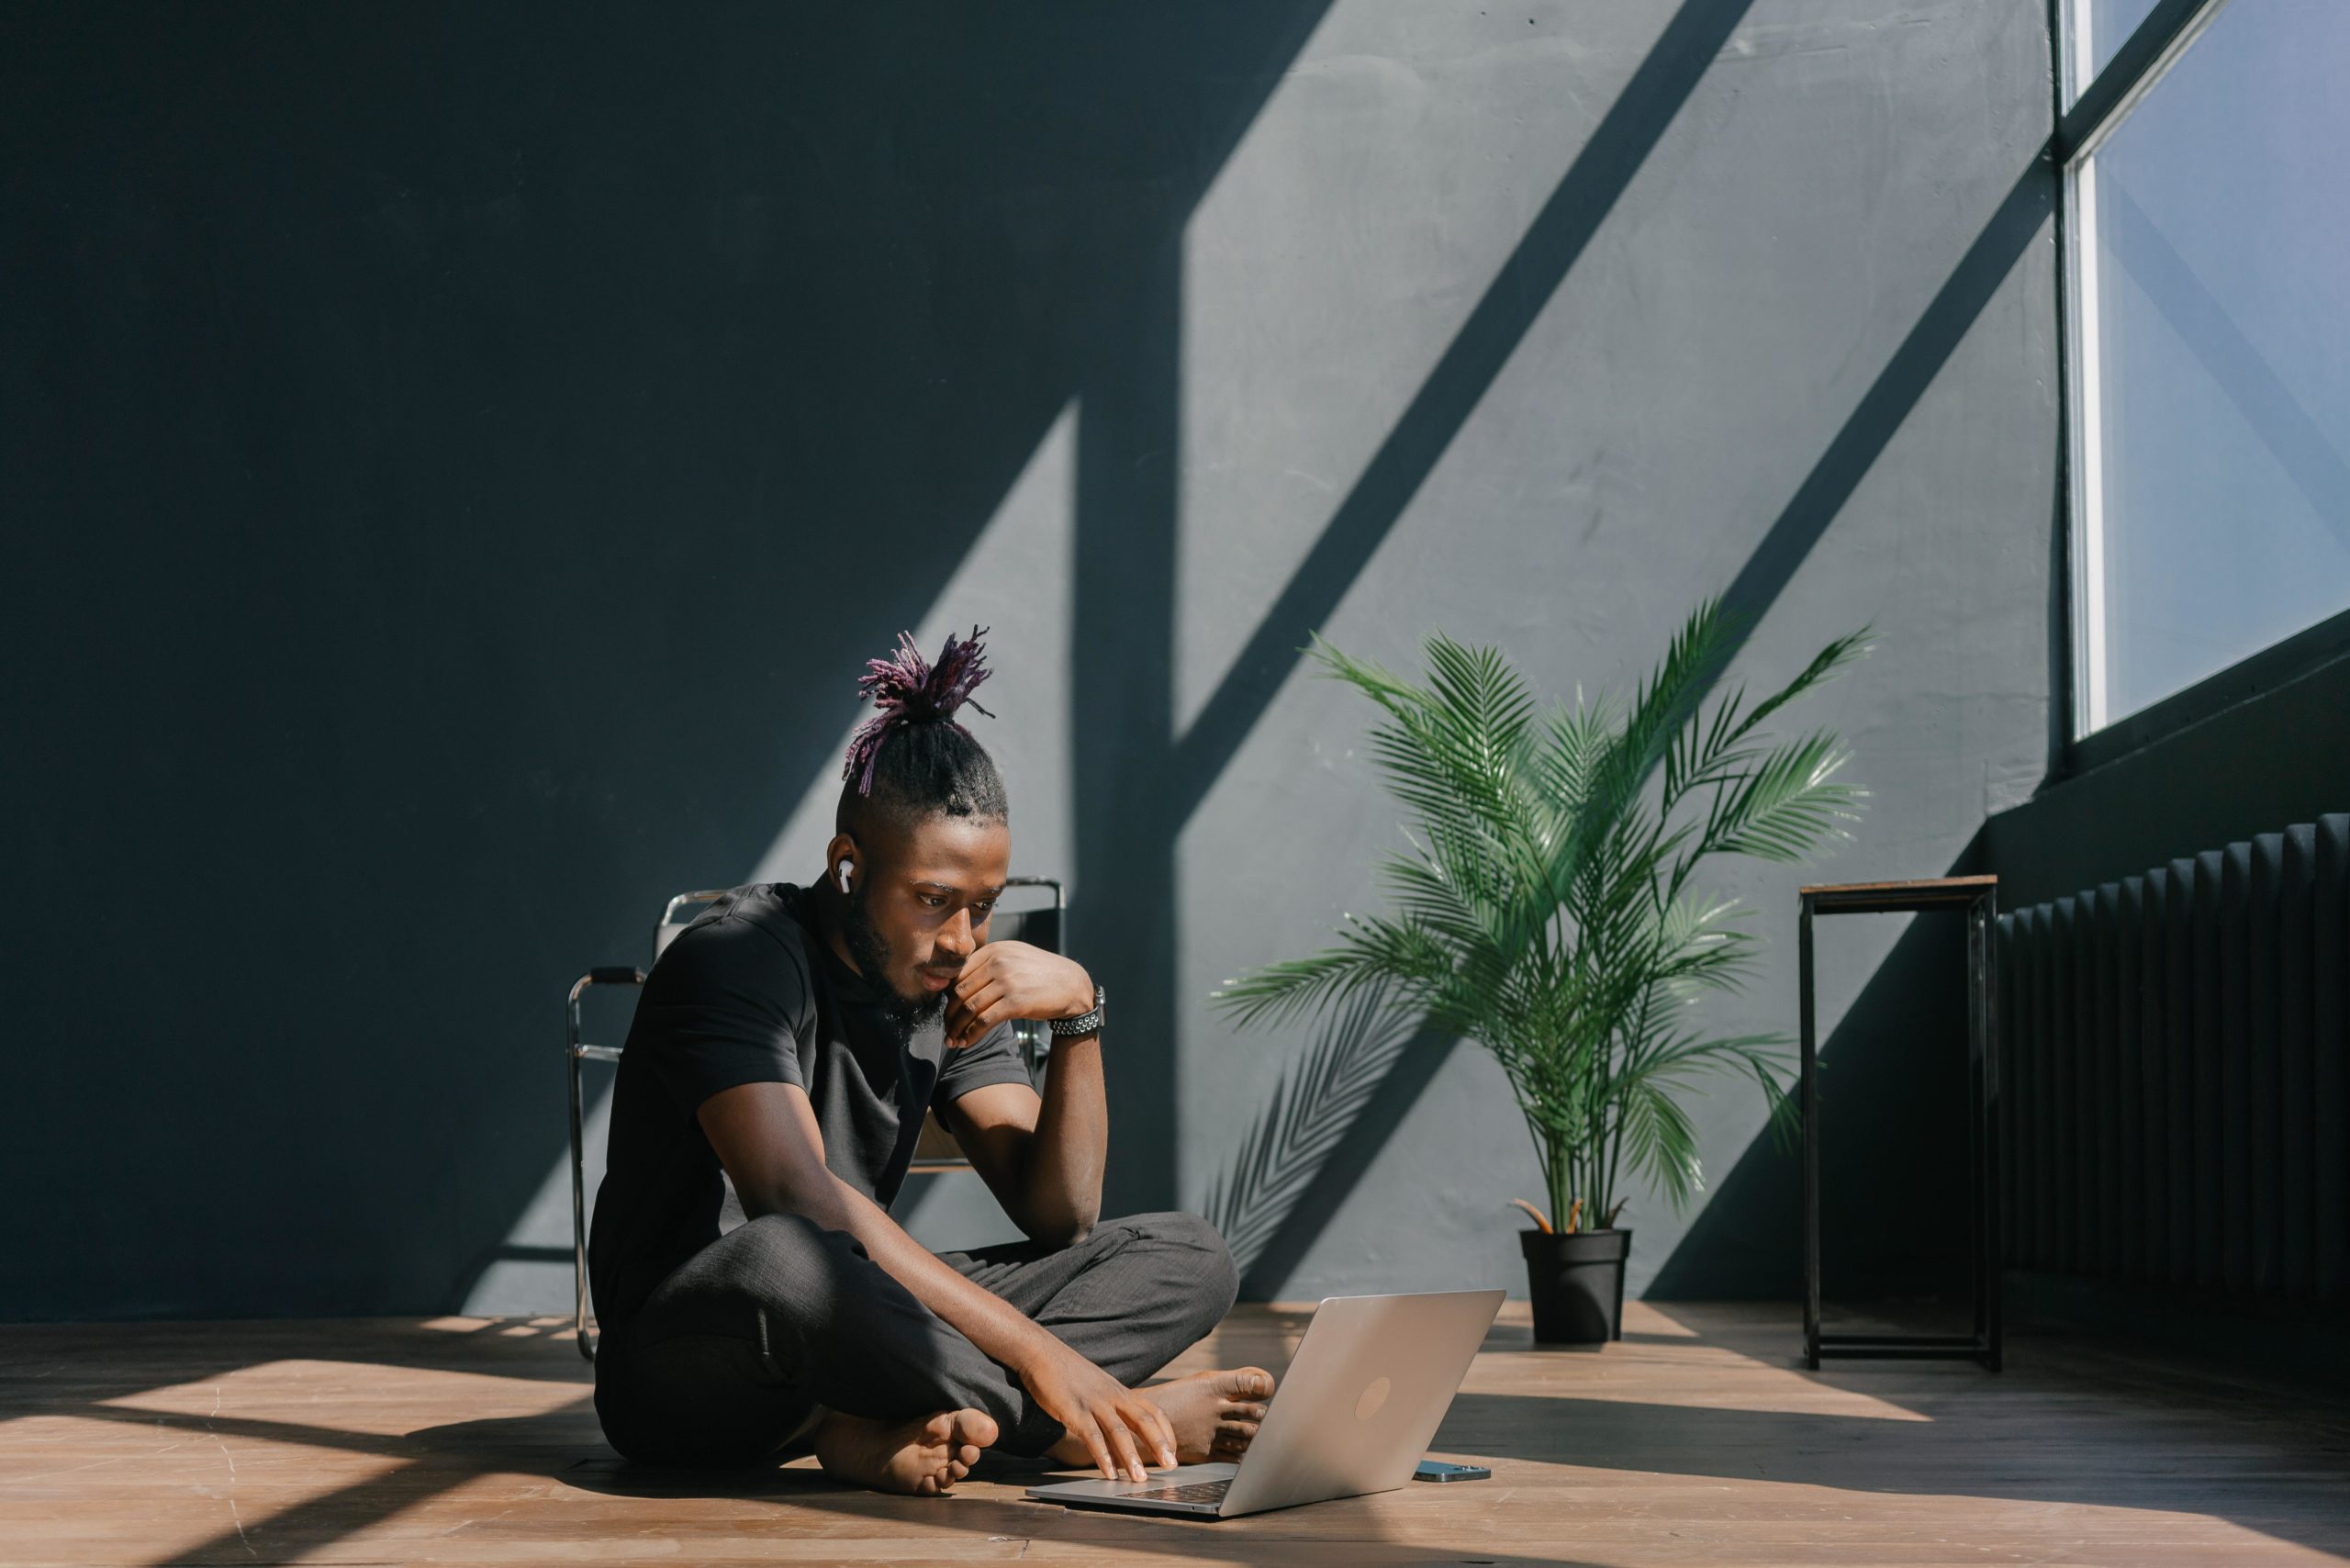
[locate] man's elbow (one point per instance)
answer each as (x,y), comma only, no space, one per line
(1064,1229)
(811,1197)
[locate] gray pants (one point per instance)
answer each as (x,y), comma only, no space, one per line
(730,1355)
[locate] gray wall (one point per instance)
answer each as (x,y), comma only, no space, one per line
(457,466)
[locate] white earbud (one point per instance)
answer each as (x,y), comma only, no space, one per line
(846,867)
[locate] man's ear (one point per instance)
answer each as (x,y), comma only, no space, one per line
(840,862)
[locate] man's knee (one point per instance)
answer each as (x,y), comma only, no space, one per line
(713,1369)
(1196,1267)
(788,1261)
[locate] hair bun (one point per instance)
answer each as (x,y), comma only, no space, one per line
(909,690)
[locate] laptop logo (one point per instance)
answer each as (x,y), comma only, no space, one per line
(1368,1404)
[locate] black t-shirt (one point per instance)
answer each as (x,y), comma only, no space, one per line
(751,993)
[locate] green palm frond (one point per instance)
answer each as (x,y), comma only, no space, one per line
(1370,951)
(1786,804)
(1824,664)
(1659,1143)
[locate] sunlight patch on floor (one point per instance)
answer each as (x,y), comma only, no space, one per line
(369,1398)
(190,1486)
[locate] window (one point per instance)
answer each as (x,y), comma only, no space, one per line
(2209,323)
(2097,28)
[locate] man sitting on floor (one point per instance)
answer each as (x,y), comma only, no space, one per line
(788,1041)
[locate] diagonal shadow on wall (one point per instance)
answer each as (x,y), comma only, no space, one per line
(1797,529)
(535,429)
(1135,786)
(1585,196)
(1318,1099)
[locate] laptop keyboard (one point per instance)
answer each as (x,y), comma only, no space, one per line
(1192,1492)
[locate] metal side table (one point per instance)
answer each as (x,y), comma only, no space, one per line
(1978,896)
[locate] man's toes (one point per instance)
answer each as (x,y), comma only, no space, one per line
(971,1430)
(1246,1383)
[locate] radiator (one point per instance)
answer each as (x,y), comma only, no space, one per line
(2174,1067)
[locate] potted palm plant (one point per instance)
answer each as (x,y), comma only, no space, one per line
(1550,910)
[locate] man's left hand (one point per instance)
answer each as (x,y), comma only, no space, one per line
(1014,980)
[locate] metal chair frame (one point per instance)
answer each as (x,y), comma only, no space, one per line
(577,1051)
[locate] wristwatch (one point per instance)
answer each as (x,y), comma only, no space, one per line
(1084,1022)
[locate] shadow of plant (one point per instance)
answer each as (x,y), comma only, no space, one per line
(1315,1103)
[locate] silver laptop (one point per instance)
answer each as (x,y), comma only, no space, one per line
(1371,1379)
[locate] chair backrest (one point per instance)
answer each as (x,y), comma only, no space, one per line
(1039,927)
(679,913)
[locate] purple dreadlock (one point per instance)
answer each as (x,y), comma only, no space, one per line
(917,698)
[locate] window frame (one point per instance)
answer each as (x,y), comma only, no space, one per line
(2086,115)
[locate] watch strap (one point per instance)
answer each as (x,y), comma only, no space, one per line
(1085,1023)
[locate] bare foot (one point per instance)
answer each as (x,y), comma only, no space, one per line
(1215,1415)
(923,1456)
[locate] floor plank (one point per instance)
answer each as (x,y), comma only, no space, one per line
(1696,1440)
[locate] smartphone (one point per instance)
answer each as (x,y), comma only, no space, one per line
(1438,1470)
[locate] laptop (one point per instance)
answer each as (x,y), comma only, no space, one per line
(1372,1378)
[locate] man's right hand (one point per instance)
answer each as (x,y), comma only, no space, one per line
(1115,1424)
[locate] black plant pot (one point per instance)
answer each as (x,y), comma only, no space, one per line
(1577,1283)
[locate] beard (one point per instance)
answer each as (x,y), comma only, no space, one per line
(874,960)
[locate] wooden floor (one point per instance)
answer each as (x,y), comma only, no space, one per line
(1696,1440)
